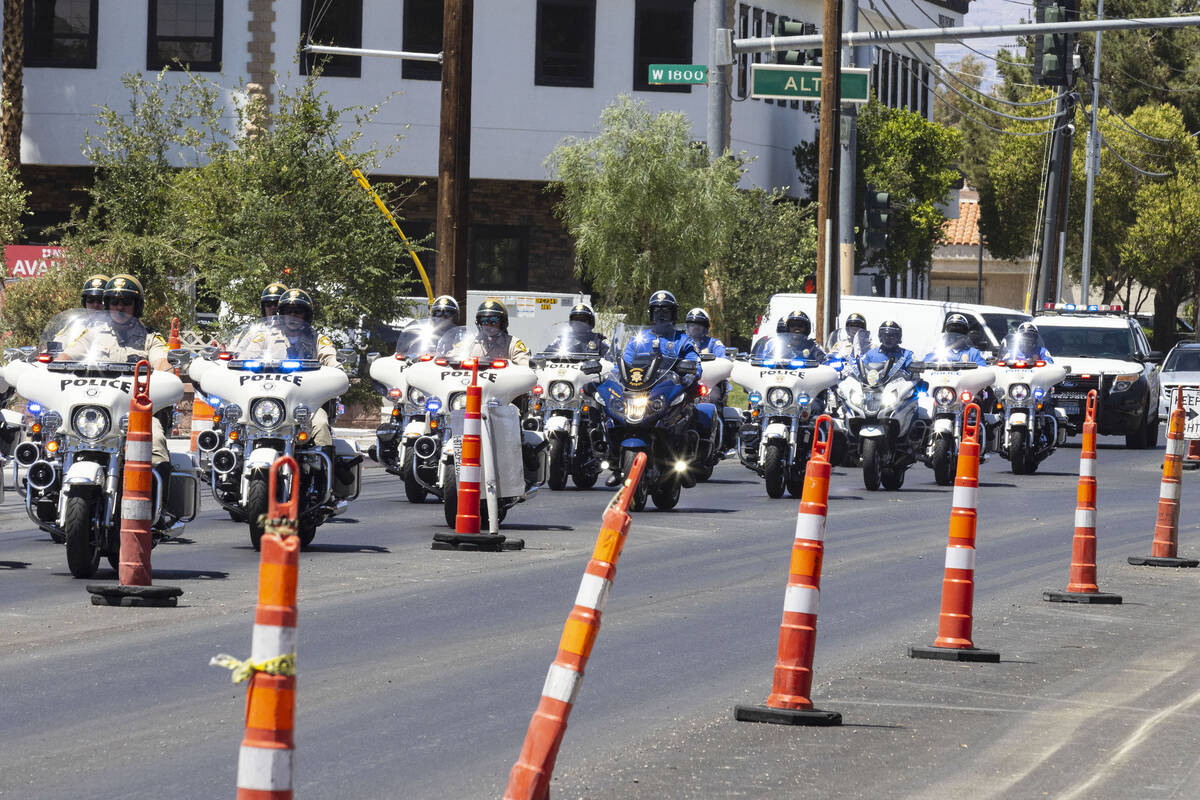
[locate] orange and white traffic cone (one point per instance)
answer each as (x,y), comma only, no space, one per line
(137,510)
(953,642)
(1192,459)
(1164,550)
(530,776)
(1081,586)
(266,756)
(788,703)
(202,420)
(466,519)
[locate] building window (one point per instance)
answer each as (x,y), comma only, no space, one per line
(184,31)
(566,43)
(60,33)
(422,34)
(339,24)
(499,257)
(945,22)
(662,34)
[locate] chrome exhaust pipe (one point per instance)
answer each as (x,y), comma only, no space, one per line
(425,447)
(224,461)
(42,475)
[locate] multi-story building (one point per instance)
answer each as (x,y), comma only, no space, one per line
(542,71)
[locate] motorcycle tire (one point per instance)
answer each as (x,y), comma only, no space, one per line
(556,467)
(413,490)
(795,482)
(944,461)
(237,516)
(584,480)
(1018,455)
(83,557)
(703,473)
(256,507)
(667,497)
(640,493)
(450,506)
(892,479)
(773,471)
(307,531)
(871,467)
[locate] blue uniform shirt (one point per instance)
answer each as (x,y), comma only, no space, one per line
(676,345)
(710,345)
(957,354)
(879,355)
(1042,354)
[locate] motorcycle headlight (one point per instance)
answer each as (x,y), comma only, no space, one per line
(943,396)
(416,396)
(458,401)
(302,414)
(1123,383)
(635,408)
(267,413)
(872,402)
(51,422)
(561,391)
(90,422)
(1019,392)
(779,397)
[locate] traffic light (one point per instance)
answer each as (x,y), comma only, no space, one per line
(876,211)
(790,27)
(1053,52)
(810,283)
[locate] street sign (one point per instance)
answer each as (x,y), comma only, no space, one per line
(677,73)
(785,82)
(1191,412)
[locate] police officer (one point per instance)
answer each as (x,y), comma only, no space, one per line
(268,301)
(851,339)
(697,325)
(92,297)
(798,341)
(443,312)
(889,349)
(493,340)
(1027,345)
(584,339)
(956,342)
(296,313)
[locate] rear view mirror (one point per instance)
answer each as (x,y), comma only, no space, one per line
(687,367)
(347,355)
(590,368)
(208,353)
(1067,370)
(1154,356)
(179,358)
(916,366)
(371,357)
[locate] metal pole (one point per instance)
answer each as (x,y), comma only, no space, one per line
(848,177)
(454,152)
(979,269)
(1092,167)
(1050,225)
(827,205)
(718,78)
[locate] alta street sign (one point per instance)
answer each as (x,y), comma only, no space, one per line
(785,82)
(677,73)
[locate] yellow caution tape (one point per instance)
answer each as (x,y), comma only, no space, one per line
(242,670)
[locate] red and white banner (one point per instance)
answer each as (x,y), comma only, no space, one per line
(29,260)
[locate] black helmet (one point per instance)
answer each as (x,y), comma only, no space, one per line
(125,287)
(270,294)
(698,316)
(582,312)
(1028,335)
(93,289)
(444,306)
(890,333)
(857,320)
(493,309)
(781,325)
(798,322)
(296,298)
(663,299)
(956,323)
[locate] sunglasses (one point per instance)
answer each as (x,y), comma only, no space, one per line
(489,320)
(442,313)
(120,303)
(291,312)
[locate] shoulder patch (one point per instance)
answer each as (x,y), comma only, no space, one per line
(157,339)
(324,340)
(520,346)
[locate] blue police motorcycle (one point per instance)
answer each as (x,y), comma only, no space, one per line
(651,409)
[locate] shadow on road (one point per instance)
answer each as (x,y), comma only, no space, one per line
(705,510)
(517,526)
(341,519)
(346,548)
(13,564)
(178,540)
(727,481)
(997,486)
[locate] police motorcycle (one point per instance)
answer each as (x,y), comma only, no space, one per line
(1031,428)
(786,396)
(414,425)
(12,422)
(562,407)
(81,384)
(950,386)
(651,410)
(266,386)
(512,459)
(880,411)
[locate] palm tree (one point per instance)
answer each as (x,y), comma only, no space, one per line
(12,79)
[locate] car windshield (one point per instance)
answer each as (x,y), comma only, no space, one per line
(1001,325)
(274,339)
(570,341)
(1183,360)
(94,337)
(1085,342)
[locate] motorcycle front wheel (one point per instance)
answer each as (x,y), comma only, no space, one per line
(1018,454)
(82,556)
(773,470)
(640,493)
(556,468)
(450,506)
(256,507)
(413,489)
(943,461)
(584,480)
(871,464)
(892,479)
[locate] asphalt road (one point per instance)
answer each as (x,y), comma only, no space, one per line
(419,669)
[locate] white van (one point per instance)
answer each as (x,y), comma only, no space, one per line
(921,320)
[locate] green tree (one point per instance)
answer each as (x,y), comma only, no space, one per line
(13,207)
(646,207)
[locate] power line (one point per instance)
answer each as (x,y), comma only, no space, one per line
(929,17)
(1127,124)
(1133,167)
(1166,89)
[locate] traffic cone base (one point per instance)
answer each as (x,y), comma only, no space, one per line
(954,653)
(1157,561)
(1098,598)
(145,596)
(787,716)
(475,541)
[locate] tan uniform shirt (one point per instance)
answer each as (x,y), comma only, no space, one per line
(503,346)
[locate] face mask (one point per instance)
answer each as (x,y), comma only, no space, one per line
(489,331)
(660,315)
(696,330)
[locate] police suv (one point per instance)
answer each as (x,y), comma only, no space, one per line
(1107,351)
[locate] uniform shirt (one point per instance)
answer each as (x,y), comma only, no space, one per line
(957,354)
(326,352)
(504,346)
(591,343)
(113,342)
(1042,354)
(901,356)
(788,346)
(710,345)
(676,345)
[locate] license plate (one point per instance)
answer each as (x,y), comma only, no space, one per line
(1070,395)
(1070,409)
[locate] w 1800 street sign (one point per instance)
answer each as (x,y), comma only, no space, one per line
(785,82)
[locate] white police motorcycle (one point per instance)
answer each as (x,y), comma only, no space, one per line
(951,386)
(786,397)
(82,385)
(1032,429)
(879,409)
(571,421)
(266,386)
(513,459)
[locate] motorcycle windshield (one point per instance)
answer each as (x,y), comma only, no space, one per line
(95,338)
(786,350)
(876,373)
(571,341)
(647,353)
(463,344)
(271,340)
(1022,346)
(848,342)
(420,338)
(948,351)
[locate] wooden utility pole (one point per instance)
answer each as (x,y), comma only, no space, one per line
(827,189)
(12,65)
(454,153)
